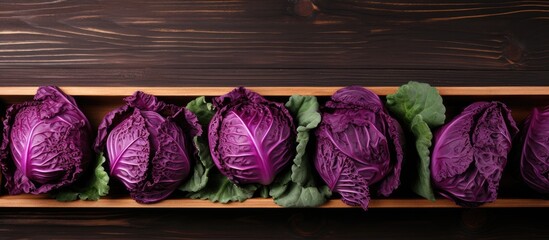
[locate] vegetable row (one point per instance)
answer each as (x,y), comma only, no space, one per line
(242,145)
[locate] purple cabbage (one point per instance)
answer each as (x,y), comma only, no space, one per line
(149,146)
(46,143)
(534,161)
(470,153)
(251,139)
(358,146)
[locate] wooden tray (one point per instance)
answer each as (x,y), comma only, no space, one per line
(97,101)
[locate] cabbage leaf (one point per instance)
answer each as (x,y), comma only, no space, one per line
(206,182)
(420,107)
(95,187)
(298,186)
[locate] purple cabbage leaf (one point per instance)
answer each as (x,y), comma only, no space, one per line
(534,160)
(148,145)
(470,153)
(206,181)
(359,146)
(251,139)
(46,143)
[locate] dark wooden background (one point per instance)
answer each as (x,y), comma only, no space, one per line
(271,43)
(267,42)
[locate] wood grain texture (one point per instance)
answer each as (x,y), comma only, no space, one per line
(212,43)
(274,224)
(204,34)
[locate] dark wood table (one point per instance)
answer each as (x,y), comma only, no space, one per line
(274,43)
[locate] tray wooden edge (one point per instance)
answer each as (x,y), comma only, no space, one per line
(42,201)
(272,91)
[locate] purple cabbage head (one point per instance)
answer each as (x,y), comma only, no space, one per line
(148,145)
(46,143)
(251,139)
(470,153)
(534,161)
(358,146)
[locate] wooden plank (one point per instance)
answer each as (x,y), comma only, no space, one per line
(42,201)
(274,223)
(170,77)
(273,91)
(207,34)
